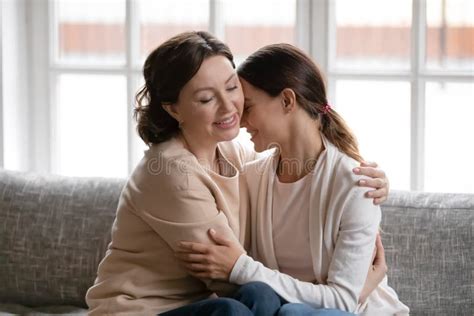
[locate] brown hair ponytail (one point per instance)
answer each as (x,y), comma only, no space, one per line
(334,127)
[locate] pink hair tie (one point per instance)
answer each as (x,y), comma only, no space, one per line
(326,109)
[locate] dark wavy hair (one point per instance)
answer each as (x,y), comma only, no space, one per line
(276,67)
(166,70)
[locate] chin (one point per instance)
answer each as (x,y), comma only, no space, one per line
(229,135)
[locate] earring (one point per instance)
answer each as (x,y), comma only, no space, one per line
(180,124)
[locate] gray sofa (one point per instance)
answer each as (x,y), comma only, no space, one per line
(54,231)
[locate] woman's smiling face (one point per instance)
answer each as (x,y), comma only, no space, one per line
(263,116)
(210,105)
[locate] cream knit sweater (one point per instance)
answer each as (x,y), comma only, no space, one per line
(169,197)
(342,228)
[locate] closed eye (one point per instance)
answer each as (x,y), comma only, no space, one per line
(232,88)
(204,101)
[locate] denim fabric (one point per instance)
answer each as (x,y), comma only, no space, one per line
(306,310)
(211,307)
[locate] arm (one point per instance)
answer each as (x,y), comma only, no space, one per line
(377,271)
(347,273)
(178,206)
(186,215)
(218,261)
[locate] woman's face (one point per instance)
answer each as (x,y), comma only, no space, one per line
(263,117)
(210,105)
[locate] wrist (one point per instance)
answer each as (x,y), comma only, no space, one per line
(238,267)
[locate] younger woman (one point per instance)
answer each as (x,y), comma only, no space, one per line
(309,220)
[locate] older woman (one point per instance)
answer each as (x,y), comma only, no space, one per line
(188,181)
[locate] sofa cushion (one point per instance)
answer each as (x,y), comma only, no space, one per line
(54,232)
(15,309)
(428,243)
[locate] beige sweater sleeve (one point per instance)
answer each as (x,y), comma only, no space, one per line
(179,205)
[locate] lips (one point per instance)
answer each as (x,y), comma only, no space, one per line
(228,122)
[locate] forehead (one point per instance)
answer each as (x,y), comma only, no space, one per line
(214,70)
(251,92)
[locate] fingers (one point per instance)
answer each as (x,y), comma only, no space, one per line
(191,257)
(379,195)
(377,183)
(369,172)
(201,271)
(193,247)
(373,255)
(201,275)
(379,261)
(219,239)
(196,267)
(380,250)
(376,193)
(377,180)
(380,200)
(369,164)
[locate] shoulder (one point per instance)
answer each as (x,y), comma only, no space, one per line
(237,152)
(341,168)
(346,194)
(260,163)
(166,166)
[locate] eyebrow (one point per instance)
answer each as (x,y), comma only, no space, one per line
(210,88)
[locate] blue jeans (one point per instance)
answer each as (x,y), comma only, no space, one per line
(290,309)
(212,307)
(259,297)
(262,300)
(254,298)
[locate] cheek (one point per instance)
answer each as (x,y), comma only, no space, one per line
(255,119)
(270,124)
(201,116)
(238,100)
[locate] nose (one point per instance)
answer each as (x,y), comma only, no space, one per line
(226,105)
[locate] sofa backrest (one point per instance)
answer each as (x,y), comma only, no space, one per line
(54,231)
(428,244)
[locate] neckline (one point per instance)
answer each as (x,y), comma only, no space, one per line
(227,164)
(297,182)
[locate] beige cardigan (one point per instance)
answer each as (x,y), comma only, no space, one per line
(342,226)
(169,197)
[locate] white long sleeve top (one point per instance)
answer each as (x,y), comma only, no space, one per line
(342,228)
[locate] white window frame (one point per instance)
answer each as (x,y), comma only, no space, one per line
(1,89)
(43,106)
(323,45)
(315,33)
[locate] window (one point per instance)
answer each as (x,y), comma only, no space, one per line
(399,71)
(98,49)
